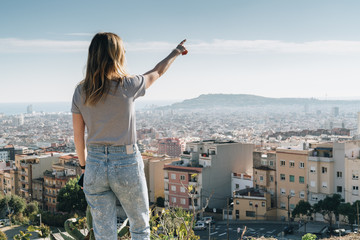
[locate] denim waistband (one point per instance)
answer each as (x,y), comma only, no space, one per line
(129,149)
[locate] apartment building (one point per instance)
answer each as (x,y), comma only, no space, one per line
(53,181)
(38,191)
(32,167)
(251,204)
(154,173)
(321,172)
(241,181)
(291,175)
(352,171)
(9,181)
(182,184)
(169,146)
(216,160)
(264,163)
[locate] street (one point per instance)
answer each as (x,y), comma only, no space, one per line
(219,231)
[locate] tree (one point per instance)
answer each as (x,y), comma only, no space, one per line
(71,198)
(349,211)
(3,236)
(329,207)
(303,208)
(160,202)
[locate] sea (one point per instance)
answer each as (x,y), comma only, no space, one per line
(64,107)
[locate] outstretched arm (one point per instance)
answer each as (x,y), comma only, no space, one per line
(160,68)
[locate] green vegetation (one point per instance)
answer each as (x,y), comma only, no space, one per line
(309,236)
(71,198)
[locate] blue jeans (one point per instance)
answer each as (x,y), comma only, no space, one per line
(116,172)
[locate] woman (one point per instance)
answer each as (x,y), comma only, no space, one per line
(104,103)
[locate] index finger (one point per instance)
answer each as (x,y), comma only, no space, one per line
(182,42)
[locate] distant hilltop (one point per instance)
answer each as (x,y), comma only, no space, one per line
(242,100)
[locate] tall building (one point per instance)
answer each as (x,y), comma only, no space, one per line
(291,166)
(213,163)
(154,173)
(29,109)
(265,174)
(335,111)
(170,147)
(30,168)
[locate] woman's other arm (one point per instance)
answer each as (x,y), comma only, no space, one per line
(79,137)
(160,68)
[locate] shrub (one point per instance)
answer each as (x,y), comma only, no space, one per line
(3,236)
(309,236)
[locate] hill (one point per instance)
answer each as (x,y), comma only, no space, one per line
(206,101)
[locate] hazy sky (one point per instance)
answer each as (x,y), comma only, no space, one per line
(272,48)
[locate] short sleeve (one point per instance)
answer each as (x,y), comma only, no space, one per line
(76,101)
(135,86)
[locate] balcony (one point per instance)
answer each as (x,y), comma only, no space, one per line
(320,159)
(24,181)
(166,191)
(23,173)
(195,194)
(194,182)
(166,179)
(24,190)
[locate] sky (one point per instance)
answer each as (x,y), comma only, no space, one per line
(271,48)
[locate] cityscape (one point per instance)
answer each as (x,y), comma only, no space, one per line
(262,160)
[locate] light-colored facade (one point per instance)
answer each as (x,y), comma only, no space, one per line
(154,173)
(320,172)
(32,167)
(251,204)
(38,191)
(352,171)
(291,165)
(241,181)
(217,161)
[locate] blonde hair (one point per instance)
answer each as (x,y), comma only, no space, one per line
(106,58)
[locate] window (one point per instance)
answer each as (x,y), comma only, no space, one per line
(292,206)
(301,179)
(302,194)
(263,204)
(282,205)
(312,183)
(250,213)
(292,164)
(182,189)
(339,189)
(282,163)
(339,174)
(173,188)
(183,201)
(324,170)
(292,193)
(271,178)
(355,175)
(182,177)
(302,165)
(250,203)
(263,162)
(173,176)
(237,186)
(283,191)
(355,190)
(237,202)
(271,163)
(314,197)
(313,169)
(282,177)
(292,178)
(324,184)
(173,199)
(261,178)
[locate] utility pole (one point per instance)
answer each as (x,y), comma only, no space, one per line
(227,205)
(288,197)
(357,213)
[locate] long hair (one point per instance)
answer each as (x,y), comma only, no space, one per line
(106,59)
